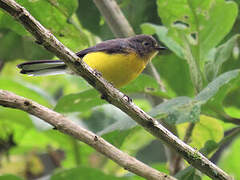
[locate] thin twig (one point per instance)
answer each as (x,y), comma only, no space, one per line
(76,151)
(229,136)
(178,162)
(111,94)
(2,63)
(157,77)
(114,18)
(189,131)
(67,126)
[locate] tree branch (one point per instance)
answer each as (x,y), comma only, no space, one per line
(111,94)
(67,126)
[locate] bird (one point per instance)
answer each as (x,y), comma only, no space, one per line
(119,60)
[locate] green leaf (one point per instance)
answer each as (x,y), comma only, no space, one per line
(207,129)
(136,141)
(185,109)
(213,87)
(144,84)
(209,147)
(188,174)
(177,110)
(54,15)
(9,177)
(230,103)
(117,137)
(110,123)
(199,20)
(7,22)
(37,139)
(83,173)
(174,73)
(219,56)
(66,7)
(229,160)
(194,25)
(114,119)
(79,102)
(23,47)
(15,116)
(24,89)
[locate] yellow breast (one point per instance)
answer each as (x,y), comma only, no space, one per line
(119,69)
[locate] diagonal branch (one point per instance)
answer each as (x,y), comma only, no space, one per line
(111,94)
(114,18)
(67,126)
(2,63)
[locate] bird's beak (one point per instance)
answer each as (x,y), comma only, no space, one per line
(160,48)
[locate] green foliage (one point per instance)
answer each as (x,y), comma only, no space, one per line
(188,174)
(80,102)
(54,15)
(9,177)
(229,159)
(207,129)
(200,75)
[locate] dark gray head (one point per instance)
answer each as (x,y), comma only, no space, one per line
(144,45)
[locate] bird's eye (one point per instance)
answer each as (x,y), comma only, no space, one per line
(145,43)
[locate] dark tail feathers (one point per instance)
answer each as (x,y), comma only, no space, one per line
(43,67)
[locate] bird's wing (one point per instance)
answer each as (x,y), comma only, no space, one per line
(110,46)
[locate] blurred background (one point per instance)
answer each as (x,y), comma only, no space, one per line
(31,149)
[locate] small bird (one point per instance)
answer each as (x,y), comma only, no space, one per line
(118,60)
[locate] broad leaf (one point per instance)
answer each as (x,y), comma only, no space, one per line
(200,22)
(185,109)
(145,84)
(110,123)
(23,47)
(177,110)
(194,25)
(117,137)
(207,129)
(229,160)
(213,87)
(27,90)
(54,15)
(14,116)
(223,97)
(175,75)
(218,56)
(79,102)
(188,174)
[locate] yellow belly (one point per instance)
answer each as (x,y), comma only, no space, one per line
(119,69)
